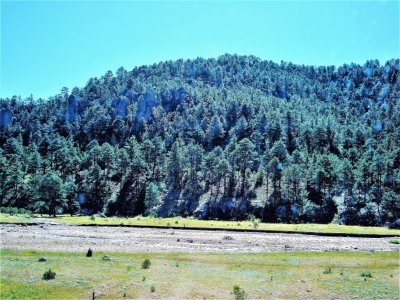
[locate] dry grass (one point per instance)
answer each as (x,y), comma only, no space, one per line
(184,275)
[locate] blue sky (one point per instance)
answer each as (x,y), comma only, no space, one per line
(50,44)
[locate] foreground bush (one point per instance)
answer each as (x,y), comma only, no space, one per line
(239,293)
(146,264)
(48,275)
(89,253)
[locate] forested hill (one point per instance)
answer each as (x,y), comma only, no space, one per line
(228,138)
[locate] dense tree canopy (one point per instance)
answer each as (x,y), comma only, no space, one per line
(214,138)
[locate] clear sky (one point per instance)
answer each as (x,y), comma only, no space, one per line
(50,44)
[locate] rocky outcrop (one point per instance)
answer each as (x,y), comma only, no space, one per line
(6,117)
(72,114)
(146,103)
(120,106)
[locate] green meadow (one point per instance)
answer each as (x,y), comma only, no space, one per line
(200,276)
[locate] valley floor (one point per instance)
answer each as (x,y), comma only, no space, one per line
(66,237)
(294,275)
(188,264)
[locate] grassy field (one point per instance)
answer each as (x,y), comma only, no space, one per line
(188,222)
(15,218)
(184,275)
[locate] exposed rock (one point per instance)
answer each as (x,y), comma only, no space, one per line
(130,95)
(145,105)
(120,106)
(6,117)
(173,98)
(72,114)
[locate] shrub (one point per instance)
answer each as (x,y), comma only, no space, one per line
(396,242)
(366,274)
(239,292)
(48,275)
(89,253)
(92,218)
(152,215)
(256,222)
(328,270)
(152,289)
(146,264)
(13,211)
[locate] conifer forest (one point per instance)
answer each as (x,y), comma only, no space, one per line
(229,138)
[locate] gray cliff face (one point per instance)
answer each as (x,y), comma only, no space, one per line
(72,114)
(146,103)
(6,117)
(120,106)
(173,98)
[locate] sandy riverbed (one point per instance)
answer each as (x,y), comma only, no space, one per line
(63,237)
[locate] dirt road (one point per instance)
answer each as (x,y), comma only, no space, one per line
(62,237)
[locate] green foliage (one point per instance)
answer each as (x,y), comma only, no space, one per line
(49,275)
(366,274)
(327,270)
(146,264)
(153,196)
(396,242)
(15,211)
(50,191)
(152,289)
(239,293)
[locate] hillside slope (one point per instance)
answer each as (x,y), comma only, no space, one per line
(229,138)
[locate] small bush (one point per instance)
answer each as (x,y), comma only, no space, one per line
(366,274)
(92,218)
(89,253)
(146,264)
(256,223)
(152,215)
(48,275)
(152,289)
(239,293)
(328,270)
(13,211)
(396,242)
(144,278)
